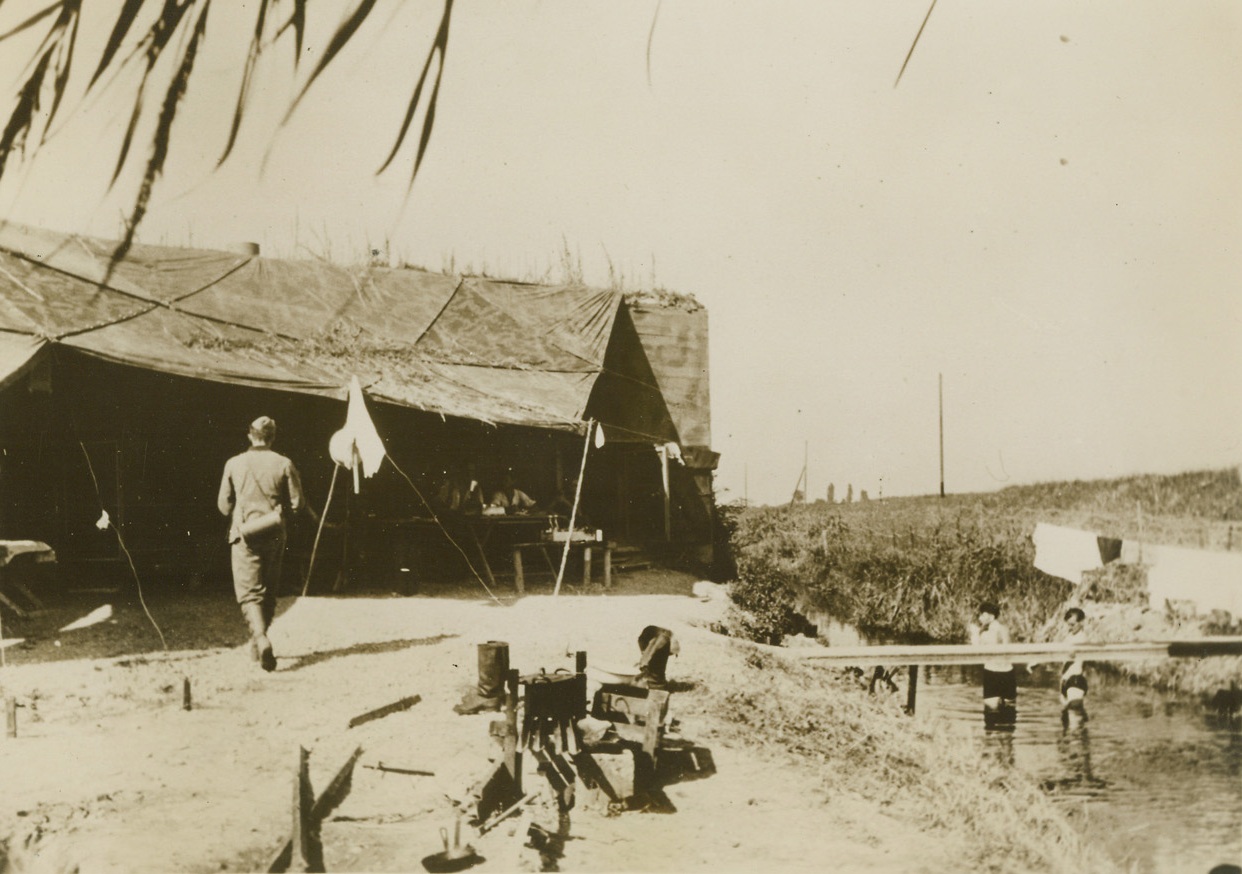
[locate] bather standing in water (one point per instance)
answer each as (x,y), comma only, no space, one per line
(1073,676)
(1000,684)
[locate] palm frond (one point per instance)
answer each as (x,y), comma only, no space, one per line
(438,48)
(70,19)
(252,60)
(124,21)
(910,53)
(32,20)
(27,107)
(163,132)
(343,35)
(153,42)
(297,20)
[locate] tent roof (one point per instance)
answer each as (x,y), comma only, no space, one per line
(498,352)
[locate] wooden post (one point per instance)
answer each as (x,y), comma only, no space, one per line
(303,800)
(519,579)
(607,565)
(186,702)
(574,745)
(10,717)
(513,756)
(657,701)
(586,566)
(913,689)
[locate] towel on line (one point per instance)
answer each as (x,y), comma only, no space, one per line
(1067,552)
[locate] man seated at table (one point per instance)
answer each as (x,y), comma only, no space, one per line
(460,492)
(510,498)
(562,504)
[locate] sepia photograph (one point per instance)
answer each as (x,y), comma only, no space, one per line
(583,436)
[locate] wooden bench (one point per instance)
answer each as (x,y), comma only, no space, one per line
(543,546)
(16,557)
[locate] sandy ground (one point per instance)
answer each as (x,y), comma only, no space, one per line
(109,772)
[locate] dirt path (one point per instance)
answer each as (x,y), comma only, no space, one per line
(110,773)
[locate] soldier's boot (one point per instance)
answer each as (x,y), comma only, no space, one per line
(489,693)
(258,635)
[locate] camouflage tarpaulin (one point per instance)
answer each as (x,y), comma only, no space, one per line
(496,352)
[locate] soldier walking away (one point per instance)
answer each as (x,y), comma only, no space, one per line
(260,488)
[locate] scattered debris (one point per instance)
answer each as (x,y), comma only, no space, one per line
(386,710)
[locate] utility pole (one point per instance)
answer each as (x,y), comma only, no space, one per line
(941,435)
(801,485)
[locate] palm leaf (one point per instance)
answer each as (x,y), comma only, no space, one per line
(163,134)
(69,21)
(23,115)
(440,47)
(297,20)
(32,20)
(252,59)
(124,20)
(342,36)
(910,53)
(155,41)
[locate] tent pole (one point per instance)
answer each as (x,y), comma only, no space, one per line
(668,504)
(573,513)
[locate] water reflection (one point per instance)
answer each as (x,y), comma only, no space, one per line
(1151,778)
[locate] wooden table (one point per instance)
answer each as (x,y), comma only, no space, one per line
(519,580)
(21,552)
(479,531)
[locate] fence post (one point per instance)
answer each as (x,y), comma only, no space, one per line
(303,799)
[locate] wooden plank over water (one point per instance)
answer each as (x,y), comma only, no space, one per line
(1022,653)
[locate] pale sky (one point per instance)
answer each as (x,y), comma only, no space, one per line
(1047,210)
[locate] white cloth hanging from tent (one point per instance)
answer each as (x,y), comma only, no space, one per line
(99,614)
(1065,552)
(359,433)
(1212,580)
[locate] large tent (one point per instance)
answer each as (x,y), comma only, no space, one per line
(165,347)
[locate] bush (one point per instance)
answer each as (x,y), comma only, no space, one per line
(903,576)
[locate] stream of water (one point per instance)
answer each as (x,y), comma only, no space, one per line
(1155,781)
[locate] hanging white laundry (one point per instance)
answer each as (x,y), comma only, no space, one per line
(1210,579)
(359,433)
(1135,552)
(1065,552)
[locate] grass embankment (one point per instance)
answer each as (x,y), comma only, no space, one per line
(863,745)
(916,568)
